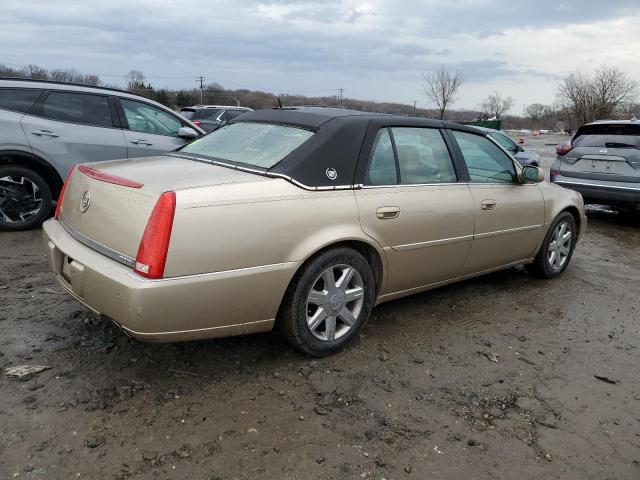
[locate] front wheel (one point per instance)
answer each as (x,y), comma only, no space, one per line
(557,248)
(25,198)
(328,302)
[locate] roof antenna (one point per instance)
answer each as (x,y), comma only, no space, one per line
(279,103)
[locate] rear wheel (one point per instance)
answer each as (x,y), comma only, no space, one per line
(25,198)
(328,302)
(557,248)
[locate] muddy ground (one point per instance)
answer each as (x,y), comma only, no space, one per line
(418,396)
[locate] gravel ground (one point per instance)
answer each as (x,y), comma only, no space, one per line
(503,376)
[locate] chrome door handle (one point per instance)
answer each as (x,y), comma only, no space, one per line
(45,133)
(141,141)
(488,204)
(387,213)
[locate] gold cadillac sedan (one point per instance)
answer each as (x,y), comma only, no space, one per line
(301,219)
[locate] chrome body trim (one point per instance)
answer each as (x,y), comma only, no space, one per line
(597,185)
(507,231)
(98,247)
(212,274)
(432,243)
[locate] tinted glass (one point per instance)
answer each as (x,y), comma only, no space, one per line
(77,108)
(18,99)
(148,119)
(382,167)
(608,136)
(423,156)
(188,114)
(207,114)
(485,161)
(231,114)
(504,141)
(258,144)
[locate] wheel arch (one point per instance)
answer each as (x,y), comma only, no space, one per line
(37,164)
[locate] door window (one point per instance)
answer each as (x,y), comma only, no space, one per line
(485,161)
(18,99)
(145,118)
(382,167)
(81,108)
(423,156)
(504,141)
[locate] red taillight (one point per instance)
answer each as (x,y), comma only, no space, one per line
(61,196)
(108,178)
(554,173)
(197,123)
(564,148)
(152,252)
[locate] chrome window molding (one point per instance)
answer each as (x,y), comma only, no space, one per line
(98,247)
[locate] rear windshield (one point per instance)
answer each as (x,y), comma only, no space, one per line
(188,114)
(608,136)
(206,113)
(255,144)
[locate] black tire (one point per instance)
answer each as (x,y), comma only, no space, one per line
(541,267)
(292,317)
(12,199)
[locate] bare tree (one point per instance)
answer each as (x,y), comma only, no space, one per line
(135,79)
(585,98)
(495,105)
(441,86)
(536,111)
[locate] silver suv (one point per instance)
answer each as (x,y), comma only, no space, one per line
(47,127)
(602,162)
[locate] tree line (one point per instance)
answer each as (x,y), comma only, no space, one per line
(581,97)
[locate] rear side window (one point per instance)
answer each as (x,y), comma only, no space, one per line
(18,99)
(485,161)
(77,108)
(382,167)
(423,156)
(608,136)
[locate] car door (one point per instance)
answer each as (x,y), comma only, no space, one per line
(413,206)
(509,216)
(66,128)
(149,130)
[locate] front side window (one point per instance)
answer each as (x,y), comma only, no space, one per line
(504,141)
(256,144)
(81,108)
(485,161)
(18,99)
(423,156)
(145,118)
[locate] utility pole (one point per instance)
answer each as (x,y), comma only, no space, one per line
(414,106)
(201,79)
(341,91)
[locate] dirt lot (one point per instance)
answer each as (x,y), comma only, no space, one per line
(418,396)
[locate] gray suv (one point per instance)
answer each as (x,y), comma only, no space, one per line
(47,127)
(602,162)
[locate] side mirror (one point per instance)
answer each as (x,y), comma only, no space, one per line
(519,148)
(187,132)
(532,174)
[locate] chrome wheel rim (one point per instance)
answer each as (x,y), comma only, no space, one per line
(560,246)
(20,199)
(334,302)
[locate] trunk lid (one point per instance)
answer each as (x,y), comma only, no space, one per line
(604,152)
(111,218)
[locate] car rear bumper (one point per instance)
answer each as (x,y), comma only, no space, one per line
(192,307)
(600,191)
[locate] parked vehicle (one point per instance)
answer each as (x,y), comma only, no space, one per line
(301,218)
(210,117)
(524,157)
(602,162)
(46,127)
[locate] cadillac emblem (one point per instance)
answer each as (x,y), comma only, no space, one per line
(85,201)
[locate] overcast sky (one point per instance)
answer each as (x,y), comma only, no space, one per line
(375,50)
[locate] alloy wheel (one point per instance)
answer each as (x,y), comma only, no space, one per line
(334,302)
(560,246)
(20,199)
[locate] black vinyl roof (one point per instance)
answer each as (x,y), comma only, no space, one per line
(337,142)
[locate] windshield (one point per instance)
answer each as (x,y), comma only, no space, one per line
(257,144)
(608,136)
